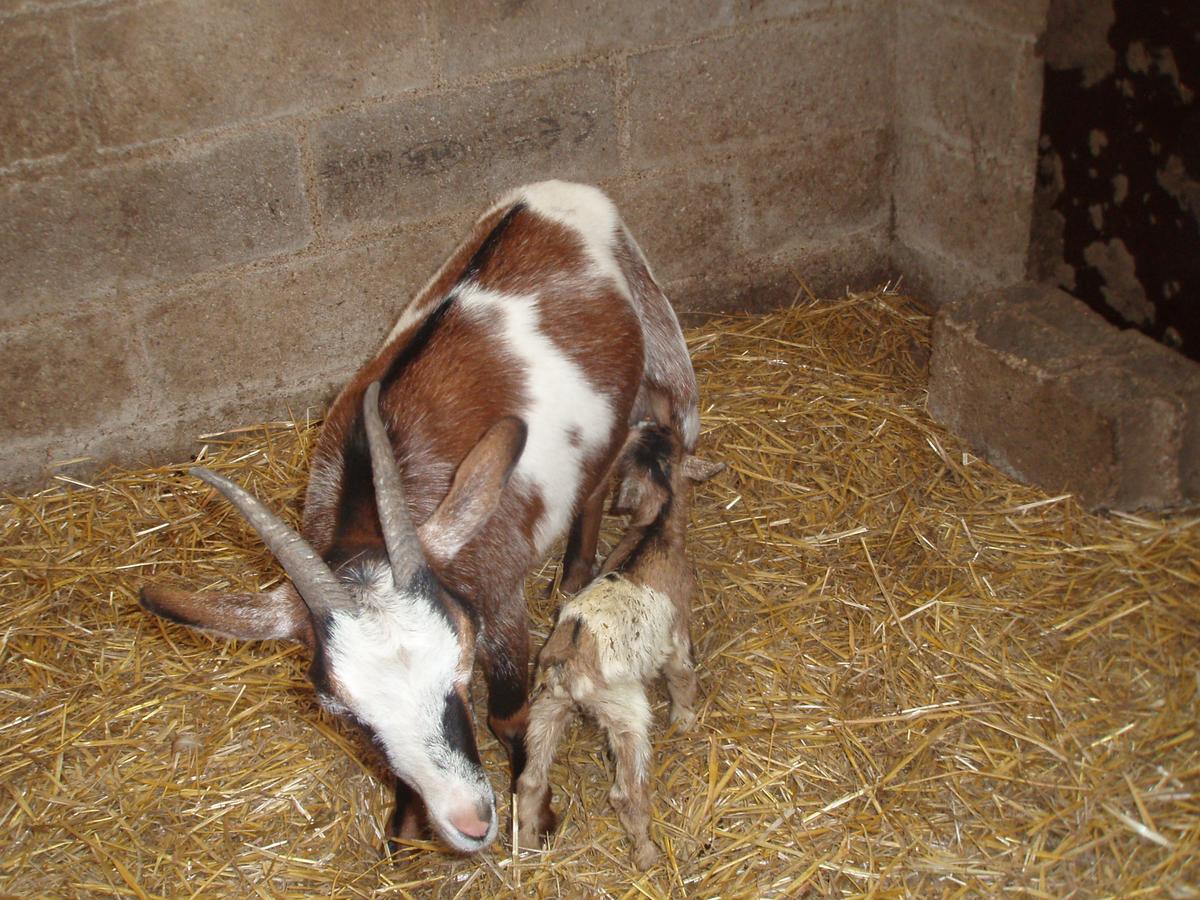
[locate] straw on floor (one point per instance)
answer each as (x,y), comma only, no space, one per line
(919,677)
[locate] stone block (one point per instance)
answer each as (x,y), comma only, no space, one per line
(964,207)
(38,102)
(63,374)
(934,277)
(854,260)
(765,10)
(1018,420)
(184,427)
(757,87)
(283,326)
(479,37)
(700,297)
(133,224)
(163,69)
(17,7)
(165,435)
(1171,374)
(1017,16)
(1147,427)
(980,88)
(1045,328)
(684,222)
(803,191)
(1025,376)
(857,261)
(429,156)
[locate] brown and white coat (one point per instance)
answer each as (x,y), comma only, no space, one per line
(505,393)
(624,630)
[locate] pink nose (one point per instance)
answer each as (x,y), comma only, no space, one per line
(469,822)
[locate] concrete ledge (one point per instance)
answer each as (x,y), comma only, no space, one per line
(1049,392)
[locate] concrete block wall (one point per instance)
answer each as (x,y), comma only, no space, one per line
(1048,391)
(210,213)
(968,108)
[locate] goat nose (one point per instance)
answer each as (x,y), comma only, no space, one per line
(474,823)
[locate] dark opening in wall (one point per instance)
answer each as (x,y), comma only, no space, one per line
(1117,216)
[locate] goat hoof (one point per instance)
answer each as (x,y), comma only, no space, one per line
(645,855)
(533,837)
(683,719)
(535,825)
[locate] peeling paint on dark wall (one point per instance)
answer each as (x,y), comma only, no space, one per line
(1117,218)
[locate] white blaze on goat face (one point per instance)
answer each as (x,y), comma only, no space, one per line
(396,667)
(561,403)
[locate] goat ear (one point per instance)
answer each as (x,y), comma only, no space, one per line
(651,498)
(475,492)
(697,469)
(278,615)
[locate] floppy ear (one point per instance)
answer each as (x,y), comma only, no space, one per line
(278,615)
(650,499)
(475,492)
(697,469)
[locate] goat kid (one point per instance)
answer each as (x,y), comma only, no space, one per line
(611,641)
(449,465)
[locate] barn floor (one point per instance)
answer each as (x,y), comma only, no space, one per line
(919,677)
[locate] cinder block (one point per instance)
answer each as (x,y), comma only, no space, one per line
(800,192)
(62,374)
(760,290)
(756,87)
(155,70)
(1029,377)
(1175,375)
(167,436)
(1017,16)
(854,260)
(426,157)
(1147,427)
(275,328)
(133,224)
(981,88)
(857,261)
(763,10)
(684,222)
(1018,420)
(481,37)
(964,207)
(38,98)
(1045,328)
(934,277)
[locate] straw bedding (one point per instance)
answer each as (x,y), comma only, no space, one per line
(918,676)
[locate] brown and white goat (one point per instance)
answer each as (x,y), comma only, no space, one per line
(505,393)
(611,641)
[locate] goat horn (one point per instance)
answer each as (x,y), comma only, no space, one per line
(318,586)
(403,545)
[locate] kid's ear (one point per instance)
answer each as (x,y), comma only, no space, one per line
(650,499)
(697,469)
(475,492)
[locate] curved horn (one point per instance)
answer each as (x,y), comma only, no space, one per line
(399,534)
(320,588)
